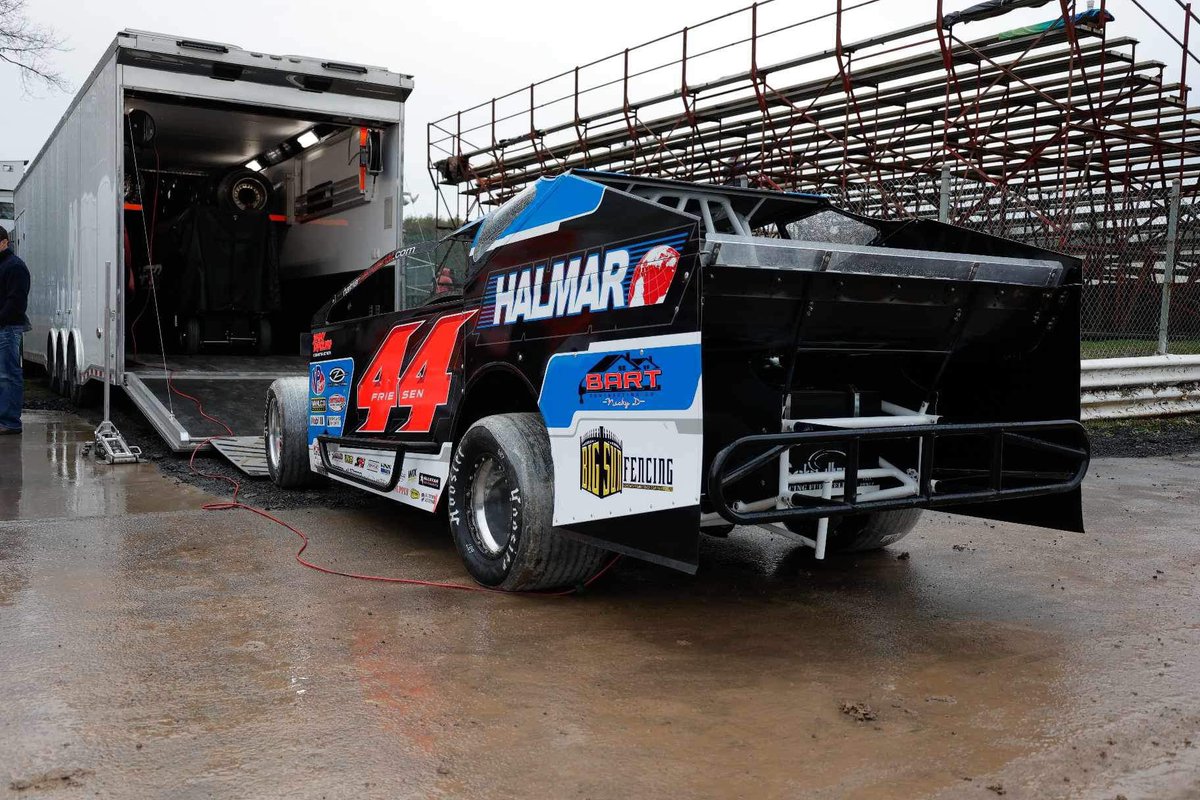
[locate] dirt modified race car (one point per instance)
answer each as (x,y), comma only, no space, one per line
(608,363)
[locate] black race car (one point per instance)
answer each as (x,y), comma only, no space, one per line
(612,363)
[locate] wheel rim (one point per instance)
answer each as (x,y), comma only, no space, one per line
(491,508)
(274,433)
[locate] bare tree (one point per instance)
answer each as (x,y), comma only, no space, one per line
(29,47)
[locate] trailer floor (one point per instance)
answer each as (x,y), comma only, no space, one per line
(149,649)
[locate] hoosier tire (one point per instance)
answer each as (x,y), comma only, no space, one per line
(285,434)
(500,502)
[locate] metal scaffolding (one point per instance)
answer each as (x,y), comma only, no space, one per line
(1061,133)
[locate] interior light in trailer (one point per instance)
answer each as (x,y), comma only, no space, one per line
(307,139)
(254,165)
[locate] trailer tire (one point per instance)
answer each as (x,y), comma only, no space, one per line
(863,532)
(191,336)
(500,502)
(58,378)
(244,190)
(81,392)
(52,374)
(285,434)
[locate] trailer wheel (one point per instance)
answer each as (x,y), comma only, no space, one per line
(500,501)
(53,376)
(58,378)
(285,433)
(191,336)
(863,532)
(81,392)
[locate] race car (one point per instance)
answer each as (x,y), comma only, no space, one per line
(616,364)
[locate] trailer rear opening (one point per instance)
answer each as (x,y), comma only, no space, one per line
(221,195)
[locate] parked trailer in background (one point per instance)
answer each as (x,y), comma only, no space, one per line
(10,173)
(221,195)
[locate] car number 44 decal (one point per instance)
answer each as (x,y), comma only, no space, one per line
(425,383)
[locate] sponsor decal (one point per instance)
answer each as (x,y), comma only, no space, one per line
(652,473)
(412,473)
(600,279)
(820,461)
(360,462)
(605,469)
(321,344)
(349,459)
(652,276)
(316,421)
(428,497)
(651,378)
(324,380)
(415,494)
(372,465)
(432,481)
(621,380)
(385,469)
(601,464)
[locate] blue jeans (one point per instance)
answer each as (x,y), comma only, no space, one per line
(12,382)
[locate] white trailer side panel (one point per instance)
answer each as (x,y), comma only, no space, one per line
(69,214)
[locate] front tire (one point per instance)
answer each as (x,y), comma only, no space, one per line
(500,501)
(285,434)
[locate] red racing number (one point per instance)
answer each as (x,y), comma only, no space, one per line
(425,384)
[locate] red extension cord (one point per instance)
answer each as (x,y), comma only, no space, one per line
(234,503)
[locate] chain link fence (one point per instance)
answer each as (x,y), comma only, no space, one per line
(1140,246)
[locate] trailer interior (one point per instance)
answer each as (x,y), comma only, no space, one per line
(238,224)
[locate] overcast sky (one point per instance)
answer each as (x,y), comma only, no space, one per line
(460,52)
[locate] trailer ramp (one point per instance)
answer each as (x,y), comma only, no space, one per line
(228,389)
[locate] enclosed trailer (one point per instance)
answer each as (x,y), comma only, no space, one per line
(194,206)
(10,173)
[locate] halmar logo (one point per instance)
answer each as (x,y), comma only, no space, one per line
(600,279)
(601,463)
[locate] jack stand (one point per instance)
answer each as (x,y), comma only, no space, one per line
(110,445)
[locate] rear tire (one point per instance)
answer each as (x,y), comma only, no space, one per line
(863,532)
(500,499)
(285,434)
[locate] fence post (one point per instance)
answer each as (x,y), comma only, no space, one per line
(944,200)
(1164,311)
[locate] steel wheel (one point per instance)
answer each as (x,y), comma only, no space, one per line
(274,433)
(491,508)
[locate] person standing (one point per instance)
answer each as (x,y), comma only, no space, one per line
(14,296)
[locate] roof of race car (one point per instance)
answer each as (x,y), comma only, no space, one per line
(545,204)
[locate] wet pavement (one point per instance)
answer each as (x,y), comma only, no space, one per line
(149,649)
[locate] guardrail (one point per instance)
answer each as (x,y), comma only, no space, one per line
(1121,388)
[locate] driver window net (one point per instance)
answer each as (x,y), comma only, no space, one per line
(501,218)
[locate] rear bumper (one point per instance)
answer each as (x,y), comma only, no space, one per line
(972,474)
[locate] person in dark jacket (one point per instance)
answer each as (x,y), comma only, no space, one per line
(14,295)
